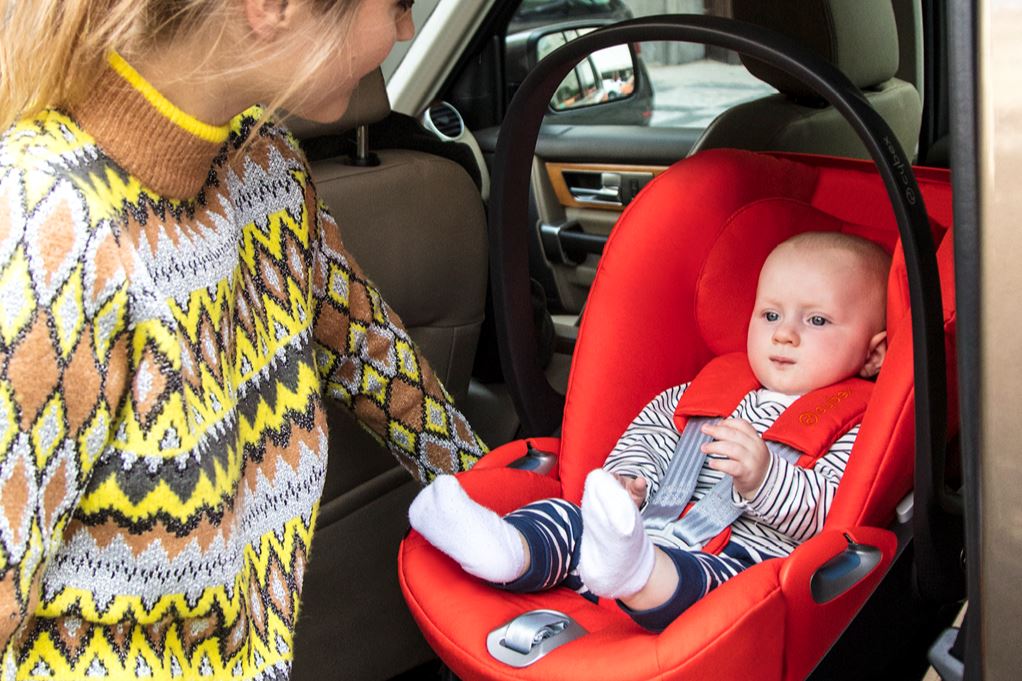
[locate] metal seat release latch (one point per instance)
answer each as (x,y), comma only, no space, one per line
(531,635)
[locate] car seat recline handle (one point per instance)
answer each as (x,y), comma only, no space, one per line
(843,571)
(540,407)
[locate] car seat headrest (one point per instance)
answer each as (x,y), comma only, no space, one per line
(726,288)
(860,37)
(369,104)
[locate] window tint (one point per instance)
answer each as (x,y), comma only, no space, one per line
(675,84)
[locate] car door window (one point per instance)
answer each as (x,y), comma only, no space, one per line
(673,84)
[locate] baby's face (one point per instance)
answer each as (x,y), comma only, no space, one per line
(813,323)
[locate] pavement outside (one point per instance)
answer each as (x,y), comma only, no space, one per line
(691,95)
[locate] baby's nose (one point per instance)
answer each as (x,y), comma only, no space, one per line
(785,334)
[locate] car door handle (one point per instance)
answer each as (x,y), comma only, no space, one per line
(605,188)
(604,195)
(607,193)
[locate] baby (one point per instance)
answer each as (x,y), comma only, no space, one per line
(819,319)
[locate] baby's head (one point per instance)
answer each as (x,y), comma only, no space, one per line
(820,312)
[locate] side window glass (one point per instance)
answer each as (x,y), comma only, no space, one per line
(660,84)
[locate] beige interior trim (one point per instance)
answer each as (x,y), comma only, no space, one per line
(999,51)
(555,171)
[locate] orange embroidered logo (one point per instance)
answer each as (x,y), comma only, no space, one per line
(812,417)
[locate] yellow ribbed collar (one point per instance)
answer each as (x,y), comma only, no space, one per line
(169,151)
(216,134)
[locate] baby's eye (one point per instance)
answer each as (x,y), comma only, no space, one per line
(818,320)
(771,316)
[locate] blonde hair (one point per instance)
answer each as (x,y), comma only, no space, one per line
(52,52)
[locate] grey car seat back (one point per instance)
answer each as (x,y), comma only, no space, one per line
(860,37)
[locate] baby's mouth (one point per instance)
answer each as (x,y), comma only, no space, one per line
(782,361)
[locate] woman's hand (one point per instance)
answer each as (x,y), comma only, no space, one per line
(738,450)
(636,487)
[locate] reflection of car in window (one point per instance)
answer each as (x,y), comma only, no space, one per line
(613,74)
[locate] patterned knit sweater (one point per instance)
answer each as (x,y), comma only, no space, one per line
(173,309)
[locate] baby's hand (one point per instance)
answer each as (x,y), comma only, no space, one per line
(636,487)
(737,449)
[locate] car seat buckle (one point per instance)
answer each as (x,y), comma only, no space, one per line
(531,635)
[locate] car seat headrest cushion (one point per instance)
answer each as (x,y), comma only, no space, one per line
(726,288)
(369,104)
(860,37)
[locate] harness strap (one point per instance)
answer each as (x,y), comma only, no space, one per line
(679,482)
(801,434)
(811,424)
(715,511)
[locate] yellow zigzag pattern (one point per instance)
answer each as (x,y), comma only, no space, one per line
(203,659)
(296,534)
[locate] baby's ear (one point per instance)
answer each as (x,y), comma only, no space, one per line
(875,355)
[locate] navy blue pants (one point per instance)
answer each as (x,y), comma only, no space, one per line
(553,530)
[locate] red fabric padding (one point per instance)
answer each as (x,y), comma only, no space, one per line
(815,421)
(811,424)
(726,290)
(717,389)
(812,627)
(879,470)
(505,489)
(898,302)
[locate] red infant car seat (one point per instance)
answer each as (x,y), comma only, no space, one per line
(674,289)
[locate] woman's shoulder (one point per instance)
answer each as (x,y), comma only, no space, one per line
(247,123)
(50,143)
(42,158)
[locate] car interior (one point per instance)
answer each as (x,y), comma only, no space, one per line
(416,200)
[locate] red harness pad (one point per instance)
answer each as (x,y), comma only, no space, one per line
(811,424)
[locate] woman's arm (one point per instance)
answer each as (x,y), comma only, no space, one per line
(367,360)
(63,371)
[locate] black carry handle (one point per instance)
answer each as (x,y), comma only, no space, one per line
(540,407)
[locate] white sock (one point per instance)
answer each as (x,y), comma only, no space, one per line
(483,543)
(616,556)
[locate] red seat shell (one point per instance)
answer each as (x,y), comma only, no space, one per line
(674,288)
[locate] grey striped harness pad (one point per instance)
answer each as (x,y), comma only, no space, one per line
(714,511)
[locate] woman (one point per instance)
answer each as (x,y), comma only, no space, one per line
(176,303)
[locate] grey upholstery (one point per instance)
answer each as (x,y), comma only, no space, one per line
(860,38)
(416,225)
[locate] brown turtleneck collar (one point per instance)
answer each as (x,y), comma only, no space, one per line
(169,151)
